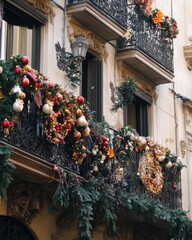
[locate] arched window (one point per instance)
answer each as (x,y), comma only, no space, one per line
(13,229)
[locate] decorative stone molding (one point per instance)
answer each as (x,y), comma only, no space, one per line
(188,56)
(94,44)
(43,6)
(183,146)
(141,84)
(24,201)
(189,141)
(112,92)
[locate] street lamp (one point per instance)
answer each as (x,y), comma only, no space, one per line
(79,48)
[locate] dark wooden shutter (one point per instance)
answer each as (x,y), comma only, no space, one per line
(92,84)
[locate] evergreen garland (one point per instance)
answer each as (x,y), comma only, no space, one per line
(6,169)
(97,194)
(124,94)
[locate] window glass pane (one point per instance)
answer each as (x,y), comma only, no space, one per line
(18,40)
(136,115)
(22,41)
(92,84)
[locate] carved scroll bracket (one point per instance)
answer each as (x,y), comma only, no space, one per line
(94,44)
(183,146)
(24,201)
(188,56)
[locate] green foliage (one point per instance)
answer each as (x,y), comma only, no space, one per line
(105,208)
(97,203)
(124,94)
(61,195)
(83,196)
(6,169)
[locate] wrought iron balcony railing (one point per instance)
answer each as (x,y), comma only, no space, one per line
(115,9)
(28,135)
(146,38)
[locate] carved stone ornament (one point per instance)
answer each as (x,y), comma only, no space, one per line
(97,46)
(142,85)
(183,146)
(189,141)
(43,6)
(188,56)
(24,201)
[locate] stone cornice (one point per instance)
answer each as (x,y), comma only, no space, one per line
(43,6)
(29,166)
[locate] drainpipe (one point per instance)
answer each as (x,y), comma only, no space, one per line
(176,121)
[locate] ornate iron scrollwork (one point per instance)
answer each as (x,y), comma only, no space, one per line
(147,38)
(116,10)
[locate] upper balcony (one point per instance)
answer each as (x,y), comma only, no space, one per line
(146,50)
(108,19)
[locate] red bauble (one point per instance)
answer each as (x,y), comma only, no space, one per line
(25,82)
(80,99)
(18,70)
(105,143)
(55,168)
(25,60)
(104,138)
(5,123)
(50,84)
(174,186)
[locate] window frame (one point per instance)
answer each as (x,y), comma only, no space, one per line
(141,105)
(33,19)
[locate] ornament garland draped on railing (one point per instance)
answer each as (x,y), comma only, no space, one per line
(103,161)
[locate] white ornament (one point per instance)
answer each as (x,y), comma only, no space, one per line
(143,141)
(103,157)
(147,148)
(86,131)
(18,105)
(139,139)
(1,69)
(169,165)
(95,168)
(47,108)
(95,150)
(161,158)
(16,90)
(81,121)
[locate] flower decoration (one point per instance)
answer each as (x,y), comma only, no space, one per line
(157,16)
(150,172)
(110,152)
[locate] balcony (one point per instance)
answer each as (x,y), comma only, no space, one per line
(107,19)
(146,51)
(33,156)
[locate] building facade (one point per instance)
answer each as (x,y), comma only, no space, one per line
(122,45)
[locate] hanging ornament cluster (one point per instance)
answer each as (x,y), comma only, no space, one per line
(154,160)
(66,119)
(60,111)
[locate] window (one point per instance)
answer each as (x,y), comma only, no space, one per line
(92,84)
(137,114)
(21,31)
